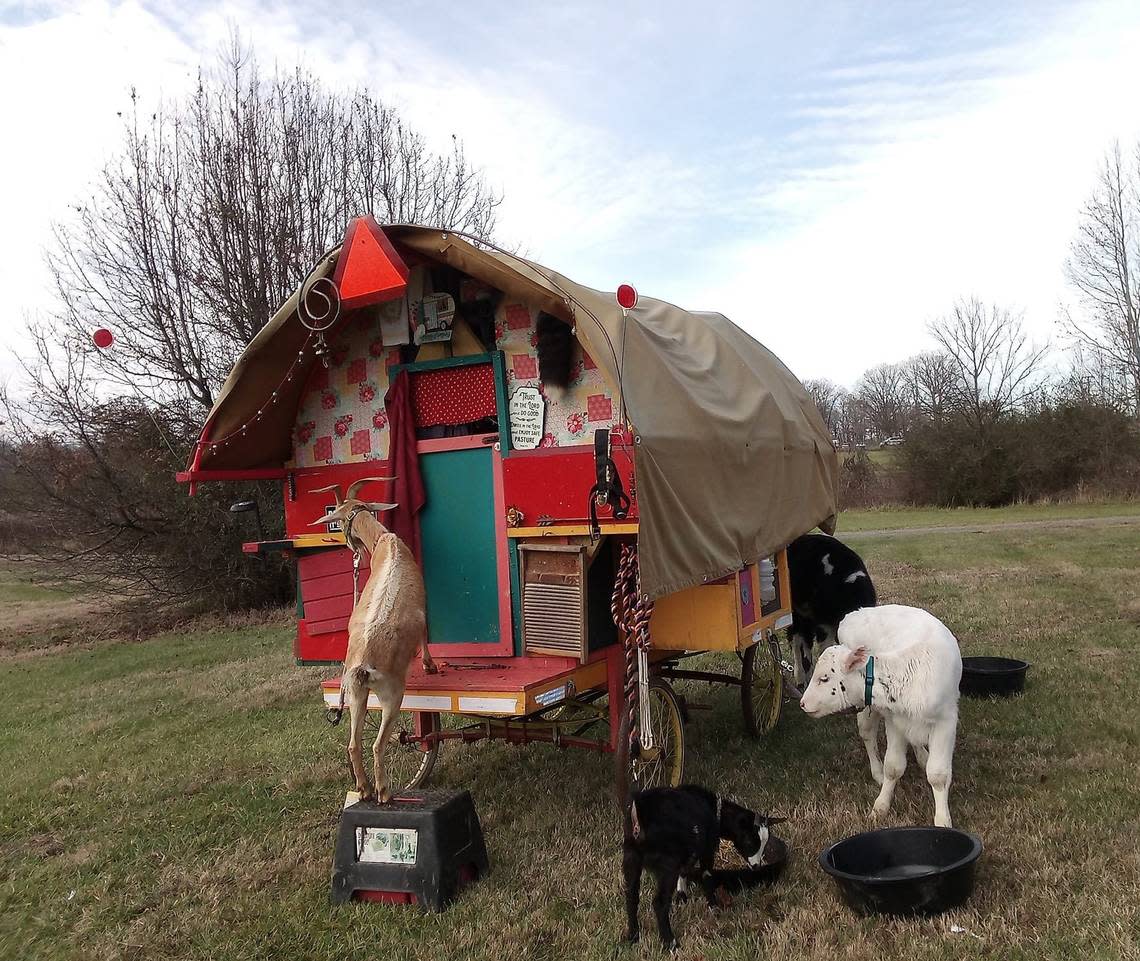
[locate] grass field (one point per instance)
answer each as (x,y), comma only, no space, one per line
(900,518)
(178,797)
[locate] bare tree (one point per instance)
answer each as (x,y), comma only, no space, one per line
(218,205)
(853,424)
(882,390)
(1104,267)
(931,380)
(828,398)
(995,365)
(212,212)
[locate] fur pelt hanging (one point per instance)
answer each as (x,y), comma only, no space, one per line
(556,346)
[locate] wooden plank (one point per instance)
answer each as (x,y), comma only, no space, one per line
(329,585)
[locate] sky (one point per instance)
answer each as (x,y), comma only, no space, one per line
(831,178)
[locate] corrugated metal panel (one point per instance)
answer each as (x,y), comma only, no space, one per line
(552,615)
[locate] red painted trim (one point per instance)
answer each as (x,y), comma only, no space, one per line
(443,444)
(257,473)
(615,688)
(502,553)
(470,650)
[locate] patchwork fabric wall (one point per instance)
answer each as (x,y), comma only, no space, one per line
(341,417)
(586,405)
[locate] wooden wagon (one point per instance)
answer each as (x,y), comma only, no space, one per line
(577,543)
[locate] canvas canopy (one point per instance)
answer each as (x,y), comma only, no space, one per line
(733,460)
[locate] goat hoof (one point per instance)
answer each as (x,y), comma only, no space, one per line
(633,937)
(877,777)
(431,669)
(384,796)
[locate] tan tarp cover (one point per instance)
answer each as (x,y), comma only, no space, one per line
(734,460)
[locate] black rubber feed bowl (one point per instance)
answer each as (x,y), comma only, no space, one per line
(904,871)
(992,676)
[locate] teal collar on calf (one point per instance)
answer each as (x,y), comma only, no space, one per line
(869,681)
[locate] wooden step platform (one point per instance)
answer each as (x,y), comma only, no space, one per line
(497,687)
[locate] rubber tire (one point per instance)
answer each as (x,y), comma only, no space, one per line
(758,719)
(666,706)
(422,774)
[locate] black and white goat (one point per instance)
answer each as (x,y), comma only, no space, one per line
(675,832)
(829,581)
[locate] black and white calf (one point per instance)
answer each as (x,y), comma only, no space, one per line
(675,832)
(829,581)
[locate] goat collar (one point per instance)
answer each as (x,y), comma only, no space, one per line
(353,542)
(868,681)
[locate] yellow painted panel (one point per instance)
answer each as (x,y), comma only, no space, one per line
(585,678)
(318,540)
(703,618)
(569,530)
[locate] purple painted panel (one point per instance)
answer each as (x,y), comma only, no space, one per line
(747,596)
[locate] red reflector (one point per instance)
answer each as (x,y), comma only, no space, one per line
(386,897)
(103,338)
(626,297)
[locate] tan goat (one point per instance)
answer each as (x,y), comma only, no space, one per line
(388,625)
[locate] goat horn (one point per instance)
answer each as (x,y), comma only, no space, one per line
(355,486)
(335,488)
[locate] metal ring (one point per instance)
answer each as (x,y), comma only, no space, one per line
(322,319)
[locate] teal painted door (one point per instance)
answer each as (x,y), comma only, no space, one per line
(457,530)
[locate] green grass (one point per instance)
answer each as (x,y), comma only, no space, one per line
(18,583)
(898,518)
(178,797)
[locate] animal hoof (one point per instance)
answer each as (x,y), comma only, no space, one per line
(431,669)
(384,796)
(674,946)
(367,796)
(633,937)
(877,777)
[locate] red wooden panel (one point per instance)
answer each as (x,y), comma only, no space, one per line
(328,625)
(333,585)
(331,646)
(556,483)
(328,608)
(308,506)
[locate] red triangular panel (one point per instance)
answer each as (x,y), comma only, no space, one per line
(369,270)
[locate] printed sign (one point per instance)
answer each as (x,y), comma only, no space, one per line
(434,316)
(528,416)
(334,527)
(552,696)
(387,845)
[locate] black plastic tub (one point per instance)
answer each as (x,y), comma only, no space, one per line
(904,871)
(992,676)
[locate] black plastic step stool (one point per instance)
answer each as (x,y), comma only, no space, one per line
(419,848)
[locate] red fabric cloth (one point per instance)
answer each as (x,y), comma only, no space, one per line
(408,489)
(454,395)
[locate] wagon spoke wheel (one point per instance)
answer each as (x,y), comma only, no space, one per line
(761,688)
(664,765)
(407,763)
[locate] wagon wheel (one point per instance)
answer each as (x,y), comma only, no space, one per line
(761,688)
(666,765)
(408,765)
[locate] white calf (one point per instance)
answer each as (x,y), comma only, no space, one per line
(901,665)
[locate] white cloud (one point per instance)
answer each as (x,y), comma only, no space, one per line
(832,193)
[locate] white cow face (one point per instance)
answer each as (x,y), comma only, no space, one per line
(837,683)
